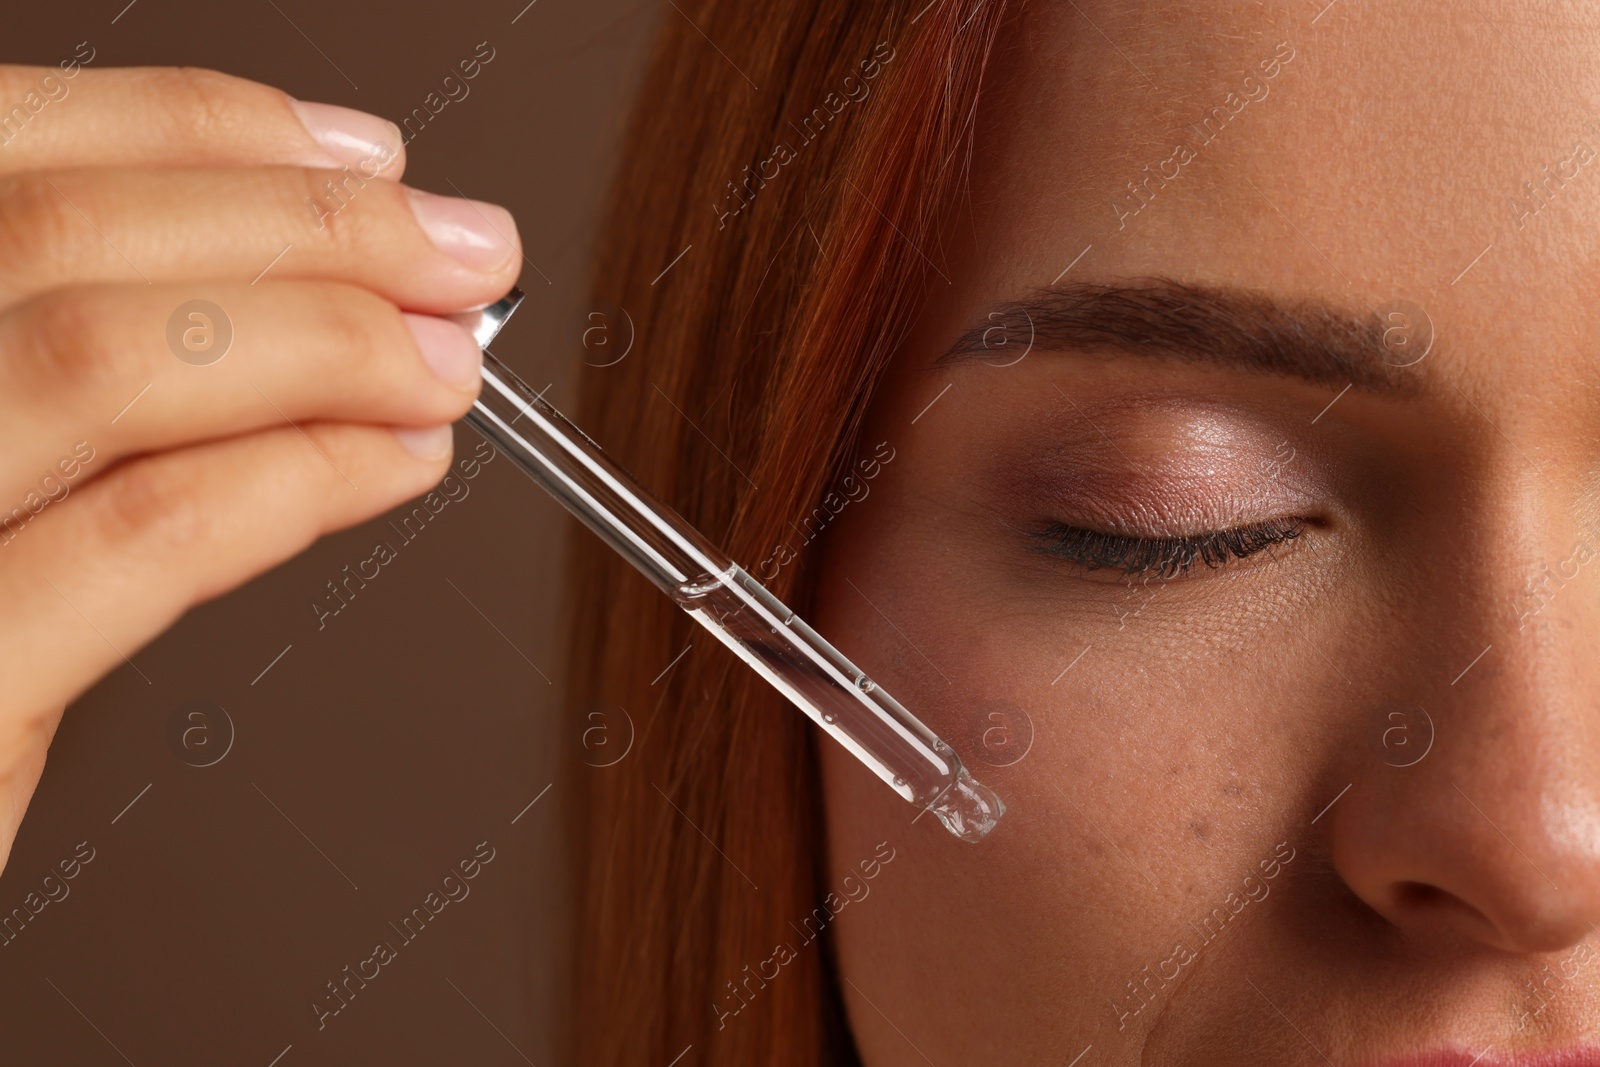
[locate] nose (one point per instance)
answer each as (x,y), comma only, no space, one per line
(1494,835)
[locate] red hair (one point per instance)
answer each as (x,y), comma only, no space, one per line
(756,355)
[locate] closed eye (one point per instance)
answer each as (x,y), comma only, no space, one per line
(1163,557)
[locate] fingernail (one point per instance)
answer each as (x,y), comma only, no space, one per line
(482,236)
(449,351)
(353,138)
(431,443)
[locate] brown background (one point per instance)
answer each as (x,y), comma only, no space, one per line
(377,752)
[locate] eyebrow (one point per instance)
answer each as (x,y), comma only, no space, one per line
(1239,329)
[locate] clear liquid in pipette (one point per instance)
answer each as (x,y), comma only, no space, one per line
(779,646)
(796,660)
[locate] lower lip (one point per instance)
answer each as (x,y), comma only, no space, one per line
(1589,1057)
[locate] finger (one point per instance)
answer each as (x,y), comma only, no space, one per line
(72,116)
(133,368)
(424,252)
(113,567)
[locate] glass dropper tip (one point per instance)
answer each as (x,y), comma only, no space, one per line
(969,809)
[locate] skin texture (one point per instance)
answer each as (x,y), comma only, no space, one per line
(1239,721)
(141,477)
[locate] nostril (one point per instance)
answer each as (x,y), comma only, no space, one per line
(1428,903)
(1418,895)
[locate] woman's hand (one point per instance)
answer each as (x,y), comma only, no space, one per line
(148,461)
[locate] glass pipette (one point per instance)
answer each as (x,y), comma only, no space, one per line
(721,596)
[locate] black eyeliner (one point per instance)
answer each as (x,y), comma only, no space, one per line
(1164,557)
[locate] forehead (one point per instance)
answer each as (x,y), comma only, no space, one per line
(1356,152)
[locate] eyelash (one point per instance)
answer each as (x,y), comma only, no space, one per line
(1164,557)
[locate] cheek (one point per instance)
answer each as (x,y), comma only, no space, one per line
(941,906)
(1041,898)
(1120,767)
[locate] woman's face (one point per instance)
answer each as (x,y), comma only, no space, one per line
(1262,586)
